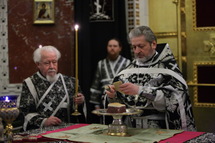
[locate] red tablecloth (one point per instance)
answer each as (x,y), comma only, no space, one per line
(178,138)
(182,137)
(65,129)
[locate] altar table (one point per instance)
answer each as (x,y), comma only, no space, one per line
(61,134)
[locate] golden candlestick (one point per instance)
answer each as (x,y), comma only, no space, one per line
(76,113)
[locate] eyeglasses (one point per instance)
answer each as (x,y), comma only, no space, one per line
(48,63)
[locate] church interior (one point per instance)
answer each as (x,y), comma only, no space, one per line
(186,25)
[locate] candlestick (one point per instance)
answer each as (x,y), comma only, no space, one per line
(76,113)
(76,58)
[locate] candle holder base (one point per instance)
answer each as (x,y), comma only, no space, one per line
(76,113)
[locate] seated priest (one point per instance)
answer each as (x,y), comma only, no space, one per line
(153,82)
(48,97)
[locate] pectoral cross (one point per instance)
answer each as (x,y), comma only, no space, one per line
(48,106)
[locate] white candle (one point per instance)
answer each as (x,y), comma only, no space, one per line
(76,58)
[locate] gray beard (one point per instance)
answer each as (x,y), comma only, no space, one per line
(143,60)
(51,79)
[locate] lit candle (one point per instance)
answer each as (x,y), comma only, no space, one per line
(40,46)
(7,102)
(76,113)
(7,99)
(76,59)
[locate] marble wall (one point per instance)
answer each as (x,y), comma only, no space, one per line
(24,37)
(20,37)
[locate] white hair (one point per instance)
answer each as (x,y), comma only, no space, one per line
(38,51)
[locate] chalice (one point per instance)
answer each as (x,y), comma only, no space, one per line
(8,112)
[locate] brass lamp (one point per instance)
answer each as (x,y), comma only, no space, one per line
(8,112)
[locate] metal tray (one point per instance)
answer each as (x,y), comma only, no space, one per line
(129,111)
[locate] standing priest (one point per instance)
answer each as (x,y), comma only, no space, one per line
(154,83)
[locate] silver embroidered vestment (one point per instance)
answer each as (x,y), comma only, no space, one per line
(163,88)
(105,72)
(41,99)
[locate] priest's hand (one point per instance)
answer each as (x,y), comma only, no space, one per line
(129,88)
(110,91)
(79,99)
(52,121)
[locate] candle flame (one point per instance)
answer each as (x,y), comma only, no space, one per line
(76,27)
(7,99)
(40,46)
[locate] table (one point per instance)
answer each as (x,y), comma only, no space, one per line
(35,134)
(185,136)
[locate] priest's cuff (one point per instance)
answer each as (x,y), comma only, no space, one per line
(147,95)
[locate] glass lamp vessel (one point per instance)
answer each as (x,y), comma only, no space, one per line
(8,113)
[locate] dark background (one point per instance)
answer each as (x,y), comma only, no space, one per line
(93,37)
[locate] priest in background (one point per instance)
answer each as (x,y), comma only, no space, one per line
(107,69)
